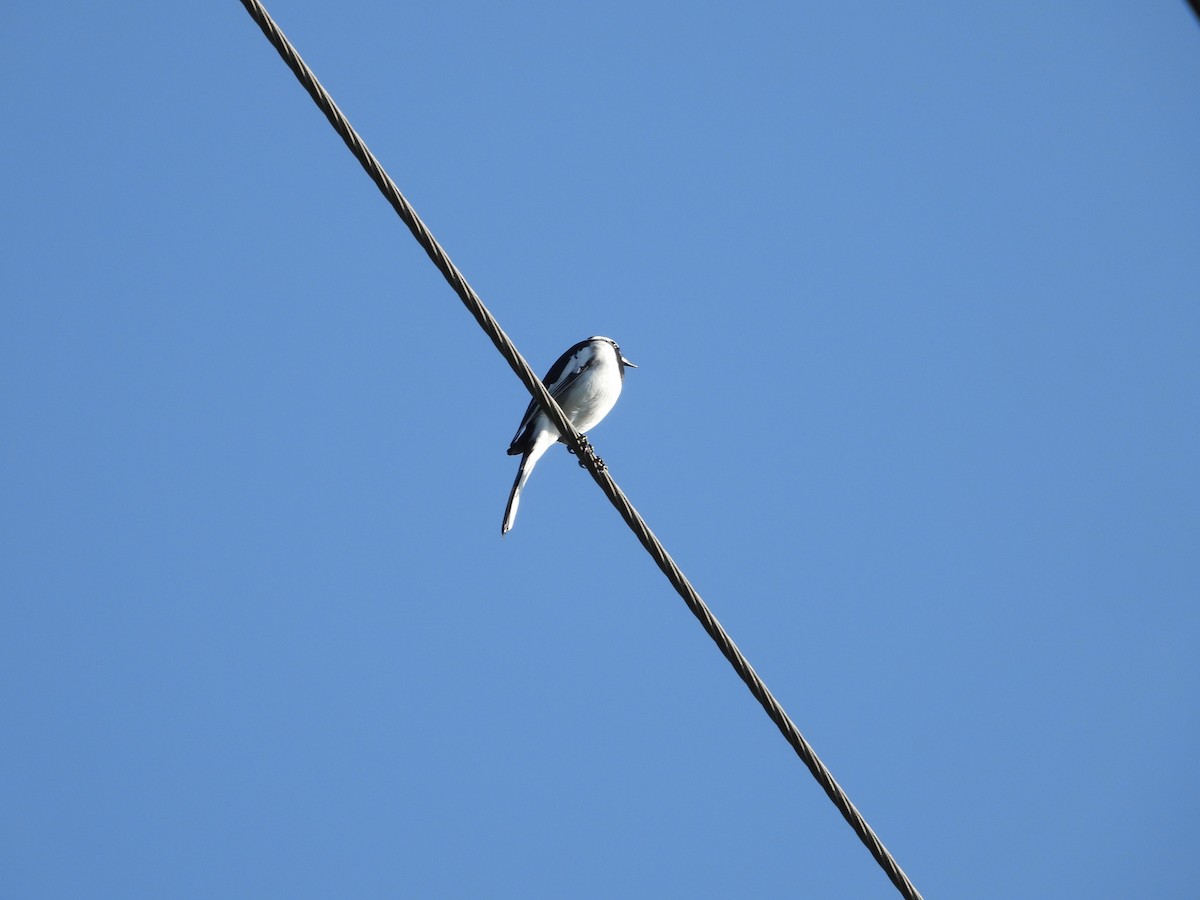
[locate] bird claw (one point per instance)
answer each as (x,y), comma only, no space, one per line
(586,446)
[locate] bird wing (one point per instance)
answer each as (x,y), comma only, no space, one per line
(566,369)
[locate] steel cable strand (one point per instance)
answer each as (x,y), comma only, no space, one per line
(758,688)
(580,447)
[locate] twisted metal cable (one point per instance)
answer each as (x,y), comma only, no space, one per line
(581,448)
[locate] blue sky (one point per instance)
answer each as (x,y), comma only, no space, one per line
(913,292)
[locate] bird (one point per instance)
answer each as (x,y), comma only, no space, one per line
(585,381)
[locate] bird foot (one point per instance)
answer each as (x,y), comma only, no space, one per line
(586,446)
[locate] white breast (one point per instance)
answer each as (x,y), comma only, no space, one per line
(595,392)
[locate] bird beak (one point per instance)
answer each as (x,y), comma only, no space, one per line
(626,362)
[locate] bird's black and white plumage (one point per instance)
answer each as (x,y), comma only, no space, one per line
(585,382)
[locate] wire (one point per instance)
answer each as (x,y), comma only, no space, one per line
(581,448)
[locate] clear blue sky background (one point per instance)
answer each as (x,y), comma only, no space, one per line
(914,292)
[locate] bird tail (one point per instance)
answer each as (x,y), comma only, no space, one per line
(528,460)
